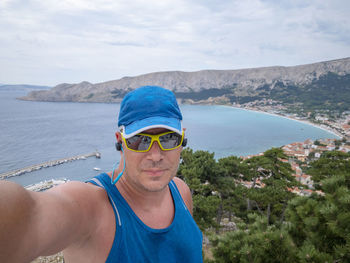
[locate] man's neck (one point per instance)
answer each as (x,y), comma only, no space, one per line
(139,197)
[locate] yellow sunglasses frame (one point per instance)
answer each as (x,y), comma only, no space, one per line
(155,138)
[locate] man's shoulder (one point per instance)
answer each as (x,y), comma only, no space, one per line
(185,192)
(181,185)
(90,200)
(80,192)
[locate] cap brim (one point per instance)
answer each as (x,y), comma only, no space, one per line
(151,123)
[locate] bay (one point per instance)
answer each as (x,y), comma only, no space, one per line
(35,132)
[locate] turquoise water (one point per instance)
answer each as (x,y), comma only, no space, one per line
(233,131)
(34,132)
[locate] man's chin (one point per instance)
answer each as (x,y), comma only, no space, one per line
(156,184)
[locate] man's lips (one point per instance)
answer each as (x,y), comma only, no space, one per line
(154,172)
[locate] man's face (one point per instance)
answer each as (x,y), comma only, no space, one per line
(151,171)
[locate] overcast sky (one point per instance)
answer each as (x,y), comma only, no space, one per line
(47,42)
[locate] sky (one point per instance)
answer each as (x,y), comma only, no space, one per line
(48,42)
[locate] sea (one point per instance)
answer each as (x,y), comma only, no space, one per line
(36,132)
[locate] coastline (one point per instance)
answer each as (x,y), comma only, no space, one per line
(328,129)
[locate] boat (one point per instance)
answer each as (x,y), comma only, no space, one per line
(97,169)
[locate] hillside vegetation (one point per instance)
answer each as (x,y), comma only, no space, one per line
(248,211)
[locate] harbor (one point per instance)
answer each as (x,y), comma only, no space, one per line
(35,167)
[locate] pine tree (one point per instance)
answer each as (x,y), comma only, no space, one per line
(198,169)
(320,224)
(257,242)
(270,199)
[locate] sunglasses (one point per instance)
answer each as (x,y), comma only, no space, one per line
(143,142)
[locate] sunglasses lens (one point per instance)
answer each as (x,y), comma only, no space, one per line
(170,140)
(142,142)
(139,142)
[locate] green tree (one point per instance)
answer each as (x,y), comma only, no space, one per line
(198,169)
(276,175)
(316,228)
(213,185)
(227,173)
(329,164)
(317,142)
(320,223)
(256,241)
(205,211)
(199,164)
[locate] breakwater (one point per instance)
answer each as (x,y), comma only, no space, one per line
(35,167)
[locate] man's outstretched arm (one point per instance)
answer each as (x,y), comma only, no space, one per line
(33,224)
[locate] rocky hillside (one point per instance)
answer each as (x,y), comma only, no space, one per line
(207,86)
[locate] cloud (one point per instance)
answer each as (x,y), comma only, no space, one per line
(49,42)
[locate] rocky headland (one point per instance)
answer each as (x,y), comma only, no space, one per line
(205,86)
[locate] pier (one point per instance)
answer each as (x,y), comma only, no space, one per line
(35,167)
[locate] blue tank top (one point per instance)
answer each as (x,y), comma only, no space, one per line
(136,242)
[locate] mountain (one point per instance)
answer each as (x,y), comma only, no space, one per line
(209,86)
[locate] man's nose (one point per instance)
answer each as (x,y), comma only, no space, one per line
(155,153)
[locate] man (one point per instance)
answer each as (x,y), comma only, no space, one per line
(140,212)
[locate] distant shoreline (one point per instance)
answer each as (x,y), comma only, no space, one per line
(330,130)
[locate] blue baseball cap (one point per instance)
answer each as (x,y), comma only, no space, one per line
(149,107)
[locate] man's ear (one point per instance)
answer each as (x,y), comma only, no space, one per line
(118,144)
(118,136)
